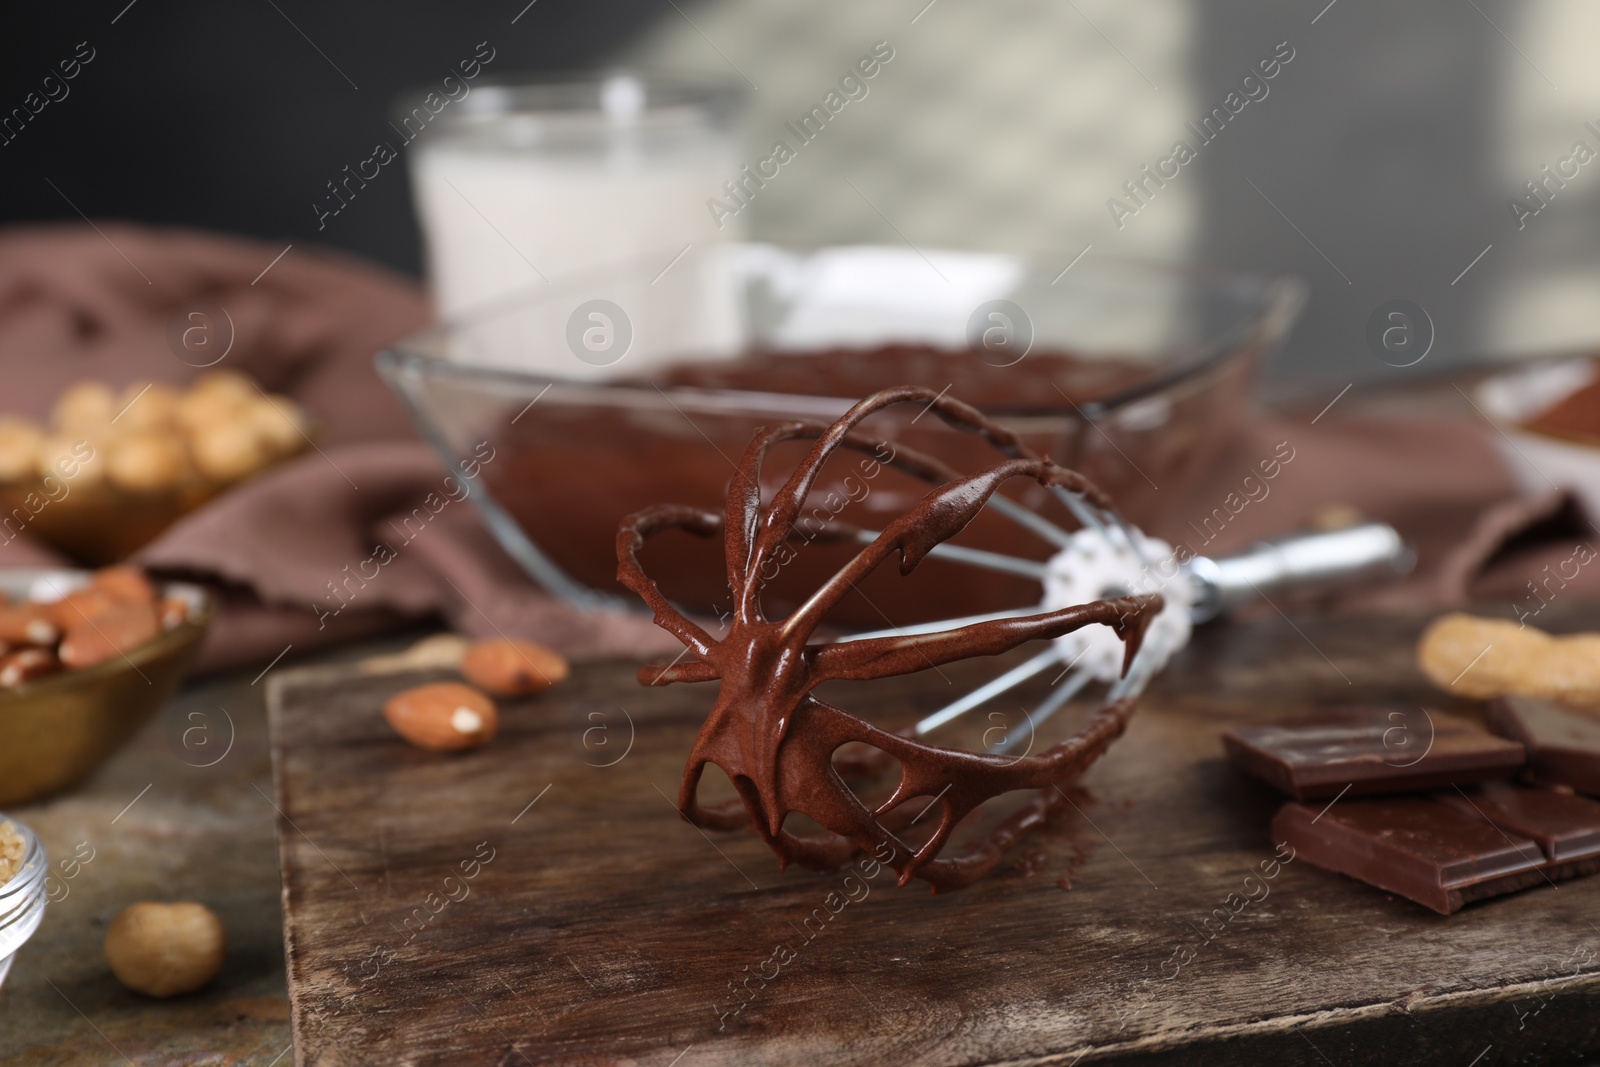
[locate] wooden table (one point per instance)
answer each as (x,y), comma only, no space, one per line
(162,821)
(598,927)
(181,813)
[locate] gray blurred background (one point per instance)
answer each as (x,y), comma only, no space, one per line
(1379,164)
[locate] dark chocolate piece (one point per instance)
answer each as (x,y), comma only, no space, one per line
(1370,750)
(1415,847)
(1567,827)
(775,740)
(1563,745)
(1449,849)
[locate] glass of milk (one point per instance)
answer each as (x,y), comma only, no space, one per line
(527,187)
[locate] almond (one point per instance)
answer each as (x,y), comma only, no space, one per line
(443,717)
(124,583)
(89,602)
(27,664)
(29,624)
(116,631)
(512,667)
(174,612)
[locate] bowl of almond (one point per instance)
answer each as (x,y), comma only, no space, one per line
(86,659)
(110,470)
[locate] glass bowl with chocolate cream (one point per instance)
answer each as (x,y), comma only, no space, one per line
(571,405)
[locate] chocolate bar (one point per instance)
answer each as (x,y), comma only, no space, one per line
(1564,826)
(1446,850)
(1370,750)
(1563,745)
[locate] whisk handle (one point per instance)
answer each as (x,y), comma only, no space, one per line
(1366,552)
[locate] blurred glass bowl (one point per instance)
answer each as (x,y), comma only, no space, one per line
(1540,461)
(57,729)
(1164,361)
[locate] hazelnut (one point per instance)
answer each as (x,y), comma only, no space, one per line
(77,459)
(87,407)
(279,424)
(443,717)
(512,667)
(19,449)
(116,631)
(228,451)
(225,386)
(147,461)
(225,389)
(162,950)
(147,406)
(215,396)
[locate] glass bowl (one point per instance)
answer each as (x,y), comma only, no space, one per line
(23,898)
(1134,374)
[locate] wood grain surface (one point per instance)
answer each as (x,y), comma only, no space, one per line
(540,901)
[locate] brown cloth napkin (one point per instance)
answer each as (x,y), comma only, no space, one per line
(288,550)
(83,302)
(1440,482)
(297,547)
(295,537)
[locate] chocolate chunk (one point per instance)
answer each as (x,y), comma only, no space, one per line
(1448,849)
(1567,827)
(1563,745)
(1415,847)
(1368,750)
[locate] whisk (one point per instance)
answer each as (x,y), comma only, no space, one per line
(1108,557)
(1108,611)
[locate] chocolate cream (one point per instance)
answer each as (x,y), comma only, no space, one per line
(570,471)
(1575,417)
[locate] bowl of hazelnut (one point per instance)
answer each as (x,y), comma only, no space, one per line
(86,659)
(109,471)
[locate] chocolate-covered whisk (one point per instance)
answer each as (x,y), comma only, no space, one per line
(776,740)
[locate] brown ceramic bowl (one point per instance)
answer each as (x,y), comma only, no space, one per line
(55,731)
(97,524)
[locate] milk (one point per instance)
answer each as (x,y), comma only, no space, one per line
(583,222)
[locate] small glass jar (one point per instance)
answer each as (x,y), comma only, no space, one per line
(23,898)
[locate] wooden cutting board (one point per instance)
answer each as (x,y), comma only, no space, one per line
(540,901)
